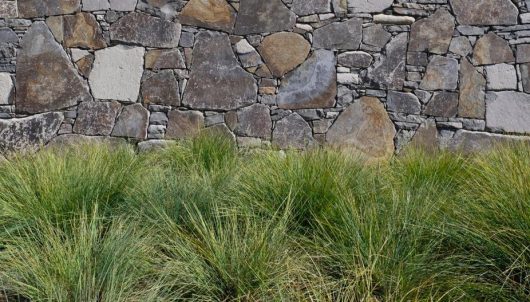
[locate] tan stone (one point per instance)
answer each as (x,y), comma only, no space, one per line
(213,14)
(82,30)
(184,124)
(164,59)
(283,52)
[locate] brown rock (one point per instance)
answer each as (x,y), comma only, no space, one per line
(161,88)
(433,34)
(84,65)
(258,16)
(43,8)
(184,124)
(164,59)
(492,49)
(254,121)
(212,14)
(96,118)
(472,92)
(293,132)
(132,122)
(145,30)
(283,52)
(525,76)
(83,31)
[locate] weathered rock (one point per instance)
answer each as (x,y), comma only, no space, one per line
(525,77)
(355,59)
(85,65)
(441,74)
(161,88)
(403,102)
(443,104)
(426,137)
(221,130)
(217,82)
(145,30)
(132,122)
(376,35)
(312,85)
(508,111)
(8,9)
(82,30)
(501,77)
(29,132)
(292,132)
(117,73)
(166,9)
(369,6)
(154,145)
(77,54)
(96,118)
(485,12)
(389,71)
(95,5)
(212,14)
(184,124)
(72,140)
(6,88)
(164,59)
(339,35)
(523,53)
(393,20)
(433,34)
(254,121)
(123,5)
(471,142)
(7,35)
(461,46)
(492,49)
(283,52)
(39,8)
(258,16)
(309,7)
(472,96)
(364,127)
(46,79)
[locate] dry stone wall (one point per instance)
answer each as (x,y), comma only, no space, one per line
(369,75)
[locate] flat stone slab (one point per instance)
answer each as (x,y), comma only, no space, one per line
(160,88)
(369,6)
(39,8)
(443,104)
(471,142)
(501,77)
(309,7)
(211,14)
(485,12)
(72,140)
(6,88)
(254,121)
(146,30)
(293,132)
(258,16)
(389,71)
(403,102)
(472,102)
(166,9)
(80,30)
(508,111)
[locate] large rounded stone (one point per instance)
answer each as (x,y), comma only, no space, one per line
(508,111)
(432,34)
(184,124)
(364,127)
(132,122)
(293,132)
(212,14)
(145,30)
(485,12)
(472,96)
(283,52)
(254,121)
(312,85)
(492,49)
(39,8)
(258,16)
(339,35)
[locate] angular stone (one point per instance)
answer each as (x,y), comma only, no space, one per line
(403,102)
(426,137)
(376,35)
(166,9)
(364,127)
(441,74)
(389,71)
(145,30)
(154,145)
(85,65)
(523,53)
(46,79)
(492,49)
(433,34)
(485,12)
(283,52)
(472,92)
(309,7)
(254,121)
(292,132)
(221,130)
(461,46)
(443,104)
(7,35)
(508,111)
(6,88)
(117,73)
(217,82)
(83,31)
(525,77)
(30,132)
(368,6)
(39,8)
(312,85)
(164,59)
(471,142)
(393,20)
(132,122)
(96,118)
(8,9)
(355,59)
(123,5)
(258,16)
(212,14)
(95,5)
(184,124)
(339,35)
(69,140)
(501,77)
(161,88)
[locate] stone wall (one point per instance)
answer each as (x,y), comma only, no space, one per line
(371,75)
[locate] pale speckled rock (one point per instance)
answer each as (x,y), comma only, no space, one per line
(96,118)
(309,7)
(501,77)
(443,104)
(39,8)
(184,124)
(472,92)
(345,35)
(525,77)
(6,88)
(164,59)
(432,34)
(132,122)
(471,142)
(312,85)
(485,12)
(212,14)
(29,132)
(441,74)
(508,111)
(365,128)
(393,20)
(283,52)
(160,88)
(376,35)
(369,6)
(492,49)
(254,121)
(292,132)
(154,145)
(258,16)
(403,102)
(389,71)
(355,59)
(145,30)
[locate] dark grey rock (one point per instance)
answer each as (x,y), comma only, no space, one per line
(441,74)
(96,118)
(376,35)
(184,124)
(525,77)
(389,71)
(39,8)
(258,16)
(160,88)
(345,35)
(293,132)
(403,102)
(145,30)
(7,35)
(166,9)
(29,132)
(443,104)
(523,53)
(254,121)
(132,122)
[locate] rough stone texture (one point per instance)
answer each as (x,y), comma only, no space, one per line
(312,85)
(525,77)
(184,124)
(217,82)
(95,5)
(403,102)
(501,77)
(212,14)
(96,118)
(389,71)
(166,9)
(46,80)
(164,59)
(6,88)
(364,127)
(485,12)
(426,137)
(68,140)
(29,132)
(339,35)
(508,111)
(355,59)
(116,73)
(441,74)
(254,121)
(123,5)
(292,132)
(492,49)
(432,34)
(40,8)
(472,92)
(460,46)
(258,16)
(283,52)
(153,145)
(443,104)
(470,142)
(523,53)
(369,6)
(376,35)
(8,9)
(309,7)
(132,122)
(161,88)
(7,35)
(85,65)
(145,30)
(82,30)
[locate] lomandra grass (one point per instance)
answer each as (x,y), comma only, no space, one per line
(202,221)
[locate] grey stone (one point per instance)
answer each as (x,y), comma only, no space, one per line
(40,62)
(184,124)
(161,88)
(501,77)
(85,23)
(7,35)
(258,16)
(284,51)
(417,58)
(166,9)
(123,5)
(39,8)
(6,88)
(461,46)
(403,102)
(443,104)
(432,34)
(485,12)
(145,30)
(164,59)
(95,5)
(389,71)
(339,35)
(217,82)
(96,118)
(368,6)
(525,77)
(393,20)
(254,121)
(158,118)
(312,85)
(308,7)
(70,140)
(132,122)
(355,59)
(211,14)
(29,132)
(492,49)
(441,74)
(508,111)
(523,53)
(472,92)
(8,9)
(376,35)
(471,142)
(292,132)
(221,130)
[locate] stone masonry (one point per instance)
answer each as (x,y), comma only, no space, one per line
(370,76)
